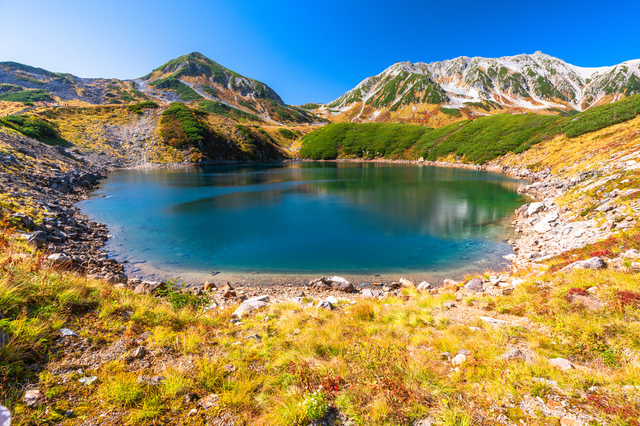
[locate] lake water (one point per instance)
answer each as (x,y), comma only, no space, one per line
(306,218)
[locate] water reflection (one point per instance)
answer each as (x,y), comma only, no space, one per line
(306,216)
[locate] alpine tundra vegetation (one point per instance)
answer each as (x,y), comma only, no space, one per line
(552,340)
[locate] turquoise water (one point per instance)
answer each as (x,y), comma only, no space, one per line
(352,218)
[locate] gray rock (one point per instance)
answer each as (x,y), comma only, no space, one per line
(4,340)
(458,359)
(150,287)
(474,285)
(405,283)
(60,259)
(65,332)
(535,208)
(514,354)
(424,286)
(33,398)
(561,363)
(151,381)
(87,381)
(494,322)
(464,352)
(429,421)
(250,305)
(209,401)
(38,238)
(594,263)
(542,227)
(324,304)
(370,294)
(5,416)
(331,283)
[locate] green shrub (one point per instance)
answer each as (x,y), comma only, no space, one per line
(286,133)
(140,106)
(180,127)
(34,128)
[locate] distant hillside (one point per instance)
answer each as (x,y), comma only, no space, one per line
(476,141)
(191,78)
(442,92)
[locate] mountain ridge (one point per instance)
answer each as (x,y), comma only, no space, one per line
(189,78)
(477,86)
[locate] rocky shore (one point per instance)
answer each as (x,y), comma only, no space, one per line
(52,180)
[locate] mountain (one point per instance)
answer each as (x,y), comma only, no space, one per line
(445,91)
(191,78)
(194,77)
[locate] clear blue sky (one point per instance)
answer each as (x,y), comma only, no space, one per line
(308,51)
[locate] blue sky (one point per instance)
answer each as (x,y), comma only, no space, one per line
(308,51)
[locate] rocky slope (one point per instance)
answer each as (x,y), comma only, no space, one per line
(450,90)
(190,78)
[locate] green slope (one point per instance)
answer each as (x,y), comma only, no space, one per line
(476,141)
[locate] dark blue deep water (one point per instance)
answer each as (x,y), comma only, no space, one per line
(358,218)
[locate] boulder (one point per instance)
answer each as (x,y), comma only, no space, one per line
(542,227)
(475,285)
(38,239)
(561,363)
(459,359)
(65,332)
(370,294)
(324,304)
(405,283)
(250,305)
(89,177)
(33,398)
(515,354)
(534,208)
(331,283)
(60,259)
(5,416)
(209,401)
(589,302)
(424,286)
(150,287)
(151,381)
(4,340)
(594,263)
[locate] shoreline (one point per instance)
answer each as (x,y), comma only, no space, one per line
(87,253)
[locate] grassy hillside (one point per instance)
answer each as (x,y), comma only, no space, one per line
(476,141)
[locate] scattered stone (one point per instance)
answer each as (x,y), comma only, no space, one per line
(370,294)
(209,286)
(405,283)
(542,227)
(515,354)
(445,356)
(568,421)
(255,337)
(229,294)
(589,302)
(332,300)
(33,398)
(561,363)
(87,381)
(150,381)
(226,287)
(324,304)
(458,359)
(301,294)
(331,283)
(4,339)
(65,332)
(424,286)
(494,322)
(475,285)
(535,208)
(150,287)
(5,416)
(209,401)
(592,263)
(229,368)
(250,305)
(429,421)
(60,259)
(189,397)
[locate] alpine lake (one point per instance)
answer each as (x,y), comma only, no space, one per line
(254,222)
